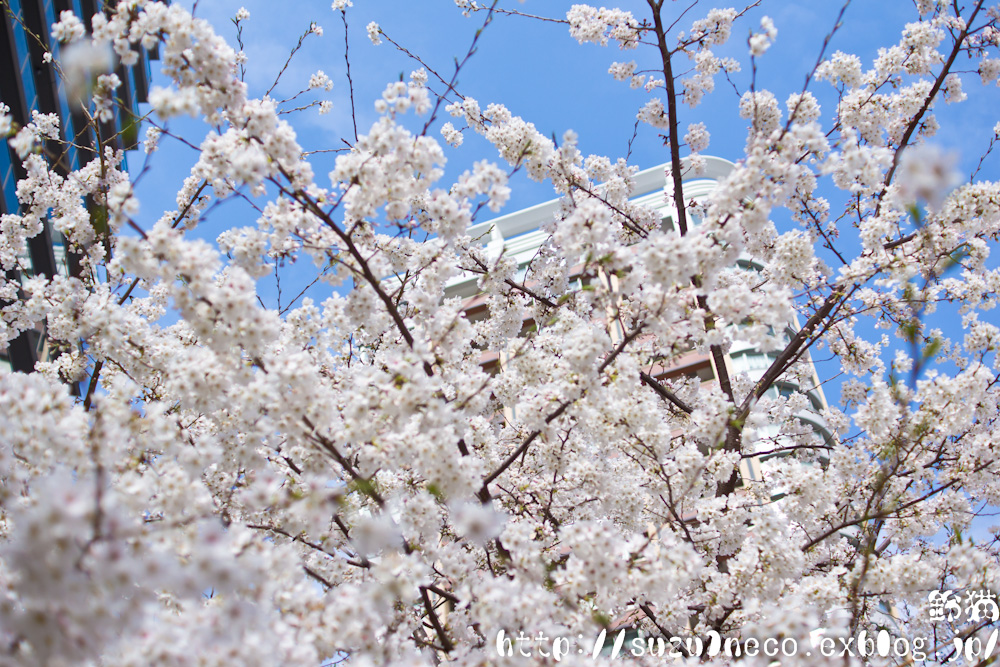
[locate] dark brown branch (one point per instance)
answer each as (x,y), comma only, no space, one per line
(316,576)
(900,241)
(888,513)
(363,483)
(664,393)
(648,611)
(92,387)
(446,644)
(675,147)
(450,597)
(928,101)
(350,82)
(484,491)
(791,351)
(180,216)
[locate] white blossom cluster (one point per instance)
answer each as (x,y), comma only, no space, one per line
(69,28)
(760,42)
(390,475)
(589,24)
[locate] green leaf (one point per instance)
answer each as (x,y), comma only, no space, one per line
(99,220)
(602,619)
(364,486)
(130,130)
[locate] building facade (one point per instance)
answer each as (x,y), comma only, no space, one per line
(520,235)
(29,83)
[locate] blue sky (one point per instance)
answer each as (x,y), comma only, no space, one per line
(543,75)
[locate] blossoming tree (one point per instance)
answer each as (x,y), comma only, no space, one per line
(343,480)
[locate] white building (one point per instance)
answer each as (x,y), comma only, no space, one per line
(520,235)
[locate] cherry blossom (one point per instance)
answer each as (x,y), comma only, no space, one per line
(467,433)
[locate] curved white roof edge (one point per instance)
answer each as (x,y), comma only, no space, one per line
(646,181)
